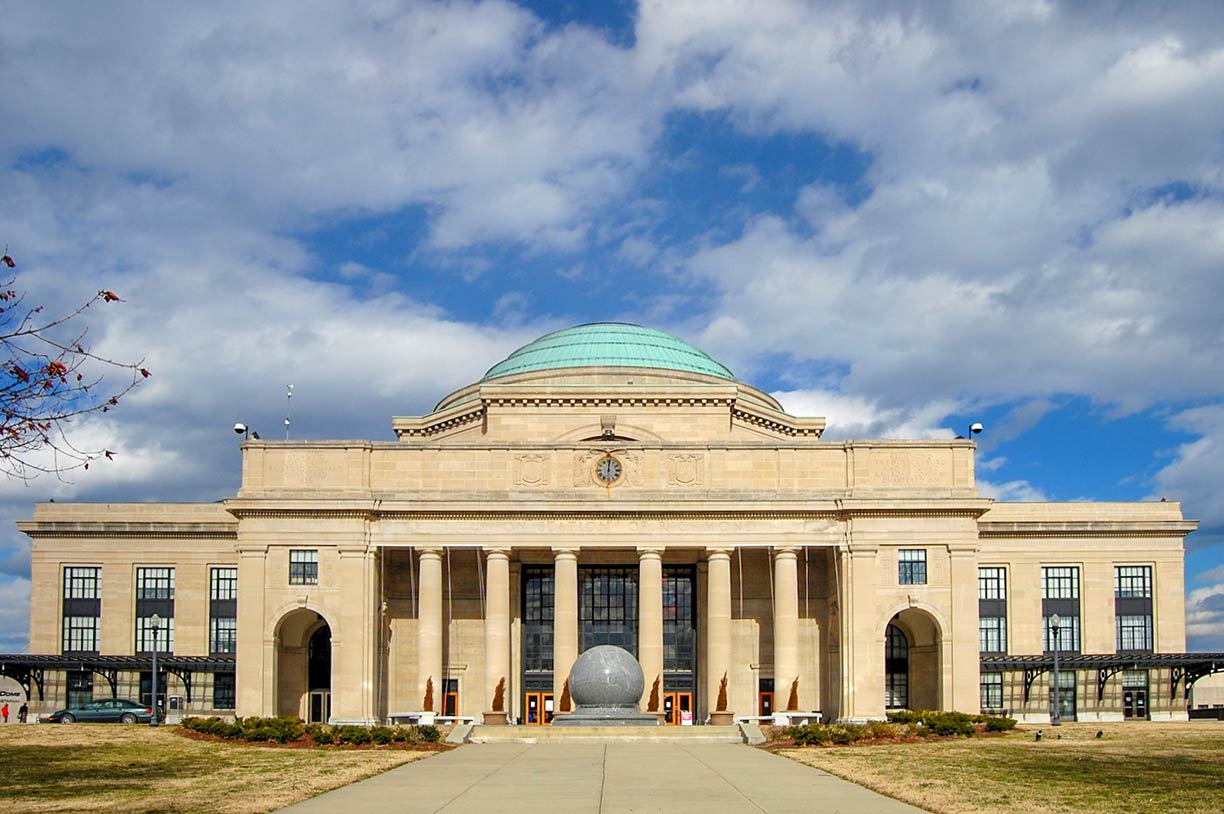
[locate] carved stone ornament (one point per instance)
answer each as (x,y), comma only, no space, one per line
(633,468)
(531,469)
(685,470)
(904,468)
(584,467)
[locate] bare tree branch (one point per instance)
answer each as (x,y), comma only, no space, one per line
(49,377)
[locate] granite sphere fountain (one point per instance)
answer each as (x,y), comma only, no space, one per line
(606,684)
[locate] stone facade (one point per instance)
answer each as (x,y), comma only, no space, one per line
(799,553)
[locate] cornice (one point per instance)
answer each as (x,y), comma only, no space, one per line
(141,531)
(1048,530)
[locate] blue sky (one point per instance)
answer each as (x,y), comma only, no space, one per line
(902,216)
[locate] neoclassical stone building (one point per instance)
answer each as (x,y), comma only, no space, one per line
(612,484)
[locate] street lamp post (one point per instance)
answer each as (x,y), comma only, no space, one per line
(155,626)
(1056,713)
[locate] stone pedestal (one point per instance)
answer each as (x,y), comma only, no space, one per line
(495,719)
(722,718)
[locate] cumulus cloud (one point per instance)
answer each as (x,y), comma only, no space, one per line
(1205,618)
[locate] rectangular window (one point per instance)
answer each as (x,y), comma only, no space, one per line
(154,583)
(911,566)
(537,619)
(144,635)
(223,691)
(1134,634)
(223,585)
(1133,608)
(992,609)
(80,688)
(223,611)
(679,621)
(303,567)
(1060,596)
(992,634)
(1060,582)
(992,691)
(223,635)
(81,606)
(1068,634)
(80,634)
(1133,582)
(992,583)
(82,583)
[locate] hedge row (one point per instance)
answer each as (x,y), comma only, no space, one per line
(289,728)
(951,723)
(926,722)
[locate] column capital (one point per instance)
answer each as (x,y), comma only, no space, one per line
(497,552)
(565,552)
(719,553)
(785,552)
(433,552)
(649,552)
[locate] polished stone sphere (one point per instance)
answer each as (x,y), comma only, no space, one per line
(606,676)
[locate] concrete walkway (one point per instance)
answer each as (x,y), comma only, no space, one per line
(560,778)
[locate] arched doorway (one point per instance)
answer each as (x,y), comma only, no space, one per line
(912,642)
(303,666)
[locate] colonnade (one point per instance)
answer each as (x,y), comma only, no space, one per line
(716,627)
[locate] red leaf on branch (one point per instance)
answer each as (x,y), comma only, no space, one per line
(144,371)
(57,369)
(110,296)
(8,261)
(110,456)
(21,374)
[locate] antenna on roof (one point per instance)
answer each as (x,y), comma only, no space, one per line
(288,404)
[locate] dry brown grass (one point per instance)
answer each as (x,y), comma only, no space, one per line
(140,769)
(1173,768)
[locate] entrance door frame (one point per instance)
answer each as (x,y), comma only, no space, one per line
(675,703)
(544,708)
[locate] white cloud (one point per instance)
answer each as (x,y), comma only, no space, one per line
(1205,618)
(855,417)
(1015,491)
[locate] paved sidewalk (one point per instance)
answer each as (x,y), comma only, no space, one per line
(678,778)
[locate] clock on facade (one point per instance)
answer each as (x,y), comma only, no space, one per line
(608,470)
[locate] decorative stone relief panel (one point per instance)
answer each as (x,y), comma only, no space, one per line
(897,467)
(309,470)
(584,467)
(687,469)
(531,469)
(633,468)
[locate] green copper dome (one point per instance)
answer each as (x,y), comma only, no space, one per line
(608,344)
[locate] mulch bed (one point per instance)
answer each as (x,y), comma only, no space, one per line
(305,742)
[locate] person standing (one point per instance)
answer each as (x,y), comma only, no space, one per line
(4,710)
(23,713)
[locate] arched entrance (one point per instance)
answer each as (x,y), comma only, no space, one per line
(303,666)
(912,643)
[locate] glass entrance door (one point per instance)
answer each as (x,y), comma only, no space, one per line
(539,708)
(1134,704)
(677,706)
(320,707)
(765,706)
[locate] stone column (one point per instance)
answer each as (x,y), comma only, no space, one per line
(353,639)
(565,618)
(650,618)
(786,624)
(429,627)
(497,625)
(257,645)
(718,623)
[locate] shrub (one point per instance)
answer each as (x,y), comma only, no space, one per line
(428,734)
(281,730)
(998,723)
(877,730)
(842,734)
(808,735)
(356,735)
(321,734)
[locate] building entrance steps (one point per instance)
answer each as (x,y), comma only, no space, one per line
(585,777)
(623,734)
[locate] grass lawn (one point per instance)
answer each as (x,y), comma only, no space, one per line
(1173,768)
(109,767)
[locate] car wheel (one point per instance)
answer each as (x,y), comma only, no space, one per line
(67,718)
(128,718)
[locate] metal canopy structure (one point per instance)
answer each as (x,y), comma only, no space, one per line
(1185,668)
(29,670)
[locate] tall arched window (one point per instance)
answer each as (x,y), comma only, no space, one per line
(896,668)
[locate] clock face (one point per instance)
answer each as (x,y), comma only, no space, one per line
(608,470)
